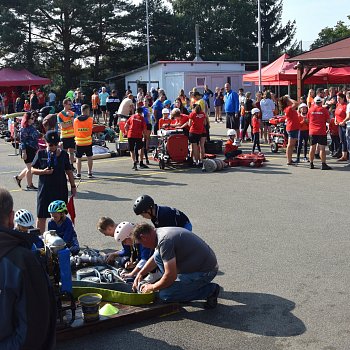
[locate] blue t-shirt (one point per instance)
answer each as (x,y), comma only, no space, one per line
(66,231)
(169,217)
(103,98)
(158,106)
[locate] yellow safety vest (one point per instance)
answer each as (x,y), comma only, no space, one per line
(66,126)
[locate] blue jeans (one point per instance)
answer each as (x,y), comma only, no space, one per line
(342,136)
(187,286)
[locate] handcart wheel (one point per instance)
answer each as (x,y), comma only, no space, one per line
(274,147)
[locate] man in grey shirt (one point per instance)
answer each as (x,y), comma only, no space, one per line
(187,263)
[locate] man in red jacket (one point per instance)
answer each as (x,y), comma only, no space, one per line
(318,116)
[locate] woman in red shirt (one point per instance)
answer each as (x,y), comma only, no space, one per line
(303,132)
(197,122)
(180,121)
(340,115)
(289,107)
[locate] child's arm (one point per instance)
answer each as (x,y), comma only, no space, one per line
(70,237)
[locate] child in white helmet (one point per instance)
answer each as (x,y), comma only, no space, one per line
(231,148)
(24,221)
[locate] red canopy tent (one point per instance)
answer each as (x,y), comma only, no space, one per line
(281,72)
(12,77)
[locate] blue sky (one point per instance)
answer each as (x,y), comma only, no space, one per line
(312,16)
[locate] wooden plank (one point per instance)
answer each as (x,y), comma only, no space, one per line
(127,315)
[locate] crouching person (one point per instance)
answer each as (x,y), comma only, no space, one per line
(187,263)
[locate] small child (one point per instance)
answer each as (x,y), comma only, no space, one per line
(165,121)
(231,148)
(131,256)
(161,216)
(63,226)
(26,106)
(24,221)
(256,128)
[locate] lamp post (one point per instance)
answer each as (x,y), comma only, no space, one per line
(148,50)
(259,44)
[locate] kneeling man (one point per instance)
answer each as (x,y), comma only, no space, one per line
(187,263)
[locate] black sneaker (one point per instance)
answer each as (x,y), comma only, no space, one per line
(325,167)
(212,299)
(134,166)
(143,166)
(18,181)
(32,188)
(90,176)
(77,176)
(312,165)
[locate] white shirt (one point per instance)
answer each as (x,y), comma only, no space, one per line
(125,106)
(267,107)
(52,97)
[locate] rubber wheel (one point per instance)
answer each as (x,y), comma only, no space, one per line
(274,147)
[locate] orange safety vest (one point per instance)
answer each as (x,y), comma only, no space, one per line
(83,131)
(67,130)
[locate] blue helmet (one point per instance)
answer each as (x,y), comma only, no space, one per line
(167,102)
(57,207)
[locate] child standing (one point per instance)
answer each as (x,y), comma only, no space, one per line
(63,226)
(95,103)
(256,128)
(231,149)
(335,146)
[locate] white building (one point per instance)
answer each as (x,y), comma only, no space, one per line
(175,75)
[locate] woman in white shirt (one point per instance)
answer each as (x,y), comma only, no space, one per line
(267,107)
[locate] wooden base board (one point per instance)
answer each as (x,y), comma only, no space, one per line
(126,315)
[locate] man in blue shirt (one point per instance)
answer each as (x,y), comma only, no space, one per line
(103,103)
(157,110)
(231,108)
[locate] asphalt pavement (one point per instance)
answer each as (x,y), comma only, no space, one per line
(281,235)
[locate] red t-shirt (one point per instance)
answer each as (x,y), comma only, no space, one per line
(303,124)
(318,117)
(181,121)
(197,125)
(136,126)
(230,146)
(256,125)
(333,129)
(340,112)
(164,123)
(41,97)
(292,119)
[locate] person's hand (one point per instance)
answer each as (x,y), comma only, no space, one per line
(127,275)
(129,265)
(24,155)
(111,258)
(342,123)
(74,191)
(147,288)
(47,171)
(137,280)
(335,122)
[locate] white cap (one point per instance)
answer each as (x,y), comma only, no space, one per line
(255,110)
(231,132)
(165,111)
(317,99)
(123,230)
(302,105)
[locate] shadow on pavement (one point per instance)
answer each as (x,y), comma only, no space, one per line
(92,195)
(262,314)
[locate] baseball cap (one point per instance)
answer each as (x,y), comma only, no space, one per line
(165,111)
(255,110)
(317,99)
(52,137)
(302,105)
(167,102)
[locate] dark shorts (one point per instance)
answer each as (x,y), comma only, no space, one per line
(134,142)
(320,139)
(31,152)
(232,122)
(81,150)
(103,108)
(293,134)
(68,143)
(149,127)
(195,138)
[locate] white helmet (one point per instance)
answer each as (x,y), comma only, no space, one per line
(231,132)
(24,218)
(255,110)
(123,230)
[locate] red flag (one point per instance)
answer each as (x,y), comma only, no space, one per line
(71,208)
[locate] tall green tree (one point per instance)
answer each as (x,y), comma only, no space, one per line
(329,35)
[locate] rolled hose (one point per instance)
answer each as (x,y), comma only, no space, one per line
(113,296)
